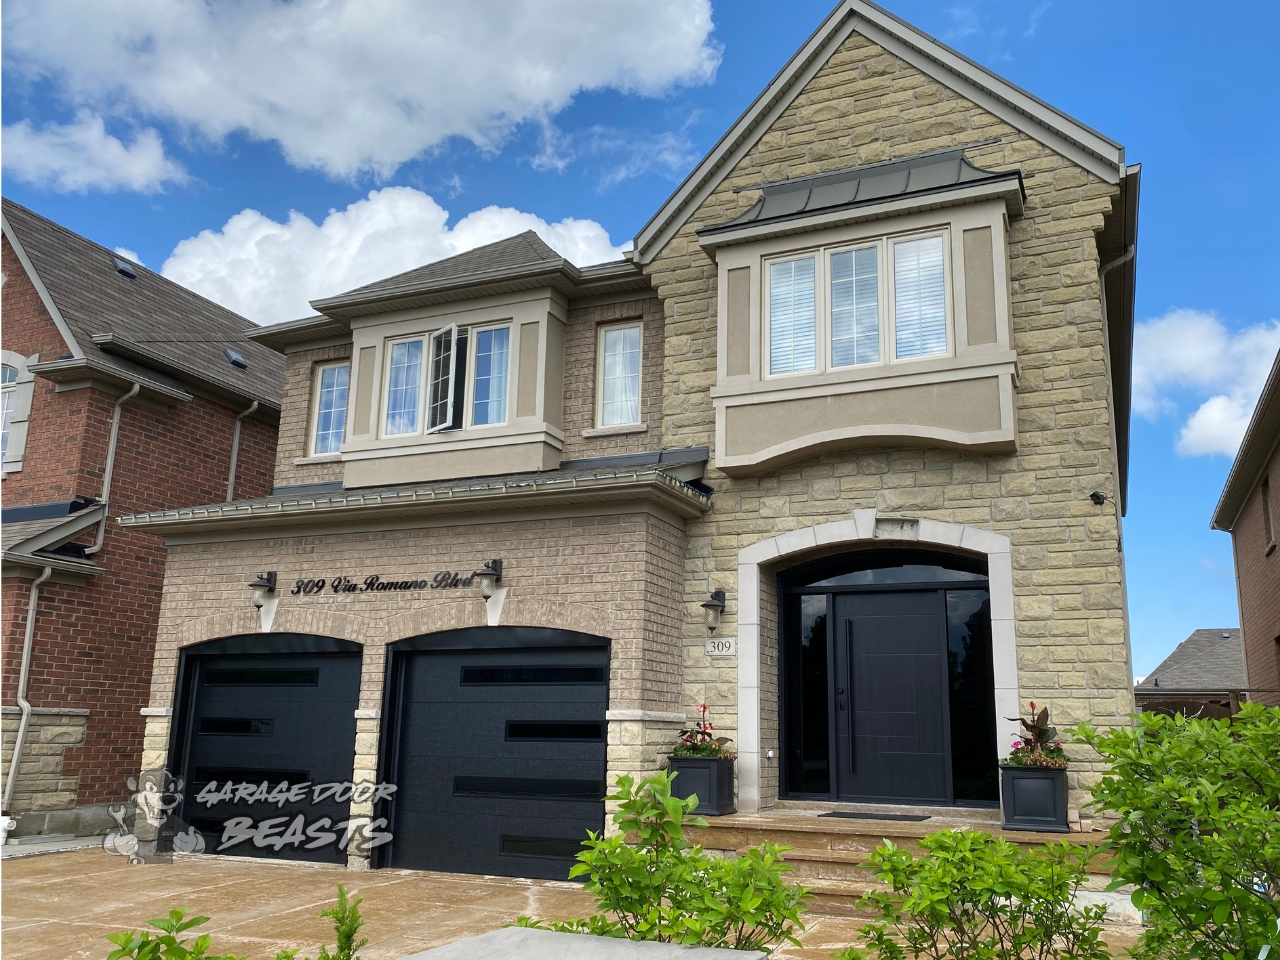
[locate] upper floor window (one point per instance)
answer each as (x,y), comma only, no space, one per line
(489,380)
(618,375)
(838,307)
(429,382)
(329,427)
(8,396)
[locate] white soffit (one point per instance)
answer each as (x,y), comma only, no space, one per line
(1079,143)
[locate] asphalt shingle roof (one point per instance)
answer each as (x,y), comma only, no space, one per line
(523,250)
(12,534)
(160,316)
(1206,660)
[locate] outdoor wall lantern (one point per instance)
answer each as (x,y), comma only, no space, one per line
(1098,498)
(489,576)
(263,587)
(714,608)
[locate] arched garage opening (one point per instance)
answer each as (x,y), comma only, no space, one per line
(261,710)
(496,740)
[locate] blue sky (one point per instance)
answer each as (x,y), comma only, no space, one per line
(219,144)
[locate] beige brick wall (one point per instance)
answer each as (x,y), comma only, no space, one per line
(295,418)
(41,785)
(580,379)
(865,106)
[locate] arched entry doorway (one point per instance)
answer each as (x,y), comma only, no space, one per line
(496,740)
(887,690)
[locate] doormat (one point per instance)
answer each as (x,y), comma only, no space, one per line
(904,817)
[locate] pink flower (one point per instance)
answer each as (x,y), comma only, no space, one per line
(702,708)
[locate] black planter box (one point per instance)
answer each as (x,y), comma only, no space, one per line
(1034,798)
(711,778)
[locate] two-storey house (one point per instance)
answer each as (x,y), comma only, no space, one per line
(865,376)
(122,391)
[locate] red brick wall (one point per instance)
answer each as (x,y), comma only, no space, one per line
(1259,578)
(94,643)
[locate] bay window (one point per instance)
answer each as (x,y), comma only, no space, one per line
(838,307)
(429,383)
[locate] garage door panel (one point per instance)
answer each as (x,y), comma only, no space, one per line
(501,765)
(288,717)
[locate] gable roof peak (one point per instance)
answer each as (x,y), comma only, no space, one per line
(1023,111)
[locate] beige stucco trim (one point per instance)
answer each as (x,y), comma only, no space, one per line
(865,526)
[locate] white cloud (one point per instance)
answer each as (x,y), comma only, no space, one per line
(129,255)
(268,271)
(81,155)
(348,86)
(1192,351)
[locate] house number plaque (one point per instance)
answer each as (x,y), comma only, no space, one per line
(722,646)
(444,580)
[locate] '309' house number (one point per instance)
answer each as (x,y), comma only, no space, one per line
(722,646)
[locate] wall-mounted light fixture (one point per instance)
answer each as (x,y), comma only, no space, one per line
(713,609)
(489,576)
(1098,498)
(263,587)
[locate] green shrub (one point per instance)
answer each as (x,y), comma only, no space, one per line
(1197,803)
(977,897)
(650,883)
(134,945)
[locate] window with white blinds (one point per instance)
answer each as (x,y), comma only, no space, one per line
(919,298)
(793,343)
(838,307)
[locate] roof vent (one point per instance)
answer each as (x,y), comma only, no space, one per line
(124,268)
(237,361)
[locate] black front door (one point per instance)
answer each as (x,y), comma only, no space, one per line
(891,697)
(499,758)
(887,691)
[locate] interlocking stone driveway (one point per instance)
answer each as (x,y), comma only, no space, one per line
(59,906)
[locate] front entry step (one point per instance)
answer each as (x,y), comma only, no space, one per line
(828,853)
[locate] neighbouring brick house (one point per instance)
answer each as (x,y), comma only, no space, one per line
(1248,510)
(119,395)
(866,372)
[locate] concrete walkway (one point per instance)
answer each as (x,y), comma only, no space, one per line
(59,906)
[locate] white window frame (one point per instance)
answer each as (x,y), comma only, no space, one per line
(317,377)
(601,330)
(473,354)
(423,376)
(949,327)
(822,303)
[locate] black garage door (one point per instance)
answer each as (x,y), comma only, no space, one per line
(271,719)
(499,754)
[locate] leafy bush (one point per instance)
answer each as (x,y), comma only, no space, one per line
(1198,830)
(650,883)
(977,897)
(132,945)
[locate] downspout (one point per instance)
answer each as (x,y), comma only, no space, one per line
(27,641)
(235,451)
(110,468)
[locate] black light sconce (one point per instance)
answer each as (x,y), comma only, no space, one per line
(490,575)
(1098,498)
(713,608)
(263,587)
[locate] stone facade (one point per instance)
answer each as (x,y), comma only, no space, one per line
(864,106)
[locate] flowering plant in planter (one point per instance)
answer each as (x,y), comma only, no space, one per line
(698,741)
(1039,748)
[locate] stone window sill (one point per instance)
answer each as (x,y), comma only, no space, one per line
(320,458)
(620,430)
